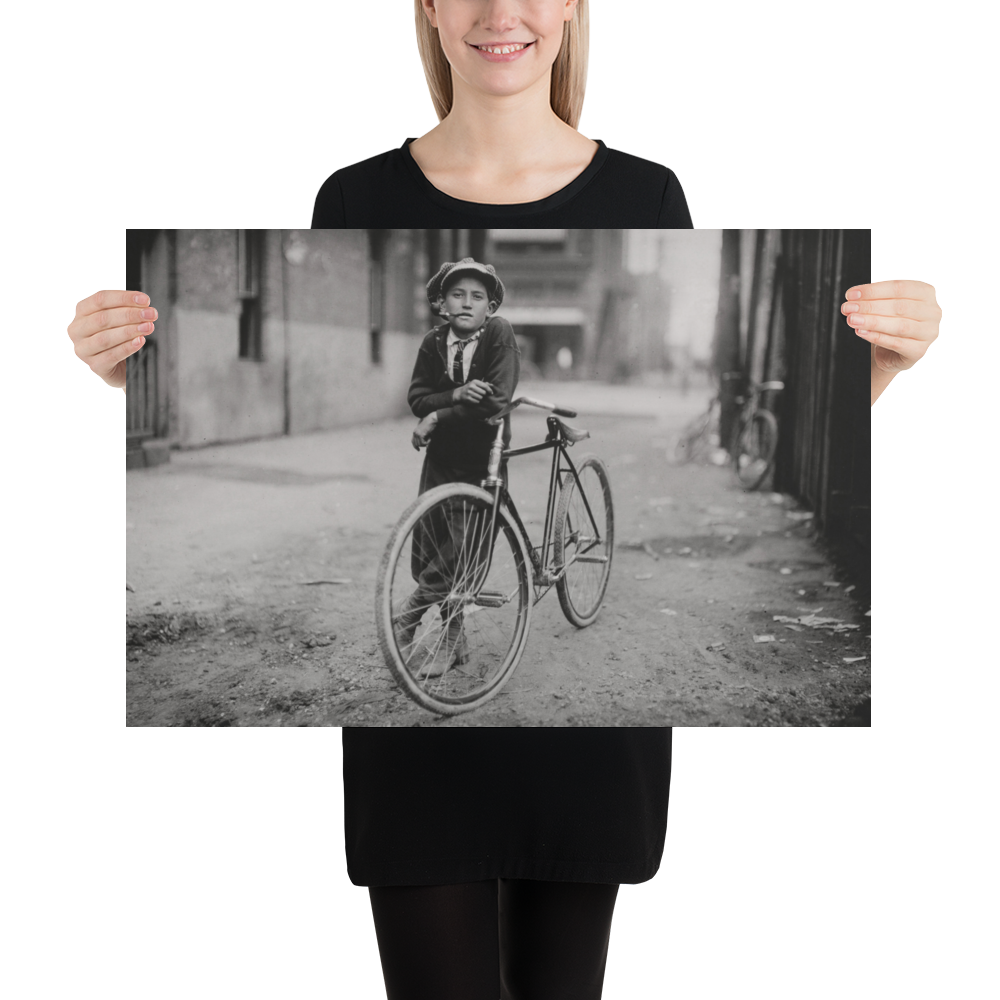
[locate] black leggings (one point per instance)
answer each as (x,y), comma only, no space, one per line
(514,939)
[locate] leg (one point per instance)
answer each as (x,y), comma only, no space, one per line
(450,548)
(438,942)
(554,939)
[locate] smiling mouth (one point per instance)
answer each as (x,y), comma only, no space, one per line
(503,50)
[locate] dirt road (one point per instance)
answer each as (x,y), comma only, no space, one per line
(252,573)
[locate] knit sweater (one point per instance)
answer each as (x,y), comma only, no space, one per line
(462,438)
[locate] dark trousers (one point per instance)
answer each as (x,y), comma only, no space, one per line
(501,939)
(440,537)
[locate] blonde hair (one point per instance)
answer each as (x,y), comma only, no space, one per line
(569,71)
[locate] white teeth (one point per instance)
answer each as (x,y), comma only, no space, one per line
(502,50)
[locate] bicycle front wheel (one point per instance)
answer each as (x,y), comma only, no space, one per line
(584,540)
(756,443)
(453,599)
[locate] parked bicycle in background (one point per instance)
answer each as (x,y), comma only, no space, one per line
(755,437)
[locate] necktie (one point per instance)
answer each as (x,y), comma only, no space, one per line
(457,371)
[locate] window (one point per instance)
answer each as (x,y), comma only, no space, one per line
(376,293)
(249,257)
(530,240)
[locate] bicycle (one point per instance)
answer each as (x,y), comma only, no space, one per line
(755,439)
(456,640)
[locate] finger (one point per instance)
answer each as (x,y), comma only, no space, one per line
(918,309)
(109,300)
(104,363)
(892,290)
(894,326)
(99,343)
(111,327)
(909,350)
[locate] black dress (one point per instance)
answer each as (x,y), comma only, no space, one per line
(614,191)
(426,806)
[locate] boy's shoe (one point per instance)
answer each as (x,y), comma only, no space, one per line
(407,618)
(454,650)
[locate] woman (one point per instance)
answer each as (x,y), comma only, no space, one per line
(493,857)
(507,80)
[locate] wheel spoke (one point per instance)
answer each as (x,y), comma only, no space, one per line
(463,650)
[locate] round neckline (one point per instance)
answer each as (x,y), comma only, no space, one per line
(553,200)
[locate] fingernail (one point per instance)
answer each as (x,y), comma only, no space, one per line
(850,307)
(145,328)
(854,293)
(138,342)
(148,314)
(856,320)
(140,300)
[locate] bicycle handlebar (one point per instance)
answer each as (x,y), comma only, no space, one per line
(560,411)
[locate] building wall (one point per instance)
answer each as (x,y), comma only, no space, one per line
(317,369)
(221,396)
(342,313)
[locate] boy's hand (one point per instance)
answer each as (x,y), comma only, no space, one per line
(899,319)
(109,326)
(471,392)
(423,430)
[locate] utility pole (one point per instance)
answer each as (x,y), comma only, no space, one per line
(726,339)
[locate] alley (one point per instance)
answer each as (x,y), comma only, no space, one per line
(251,576)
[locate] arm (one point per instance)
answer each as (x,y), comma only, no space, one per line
(503,366)
(423,397)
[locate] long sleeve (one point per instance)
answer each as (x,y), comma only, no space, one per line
(462,437)
(502,369)
(425,394)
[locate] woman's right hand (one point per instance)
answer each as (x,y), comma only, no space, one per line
(110,326)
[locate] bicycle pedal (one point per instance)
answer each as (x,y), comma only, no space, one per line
(491,599)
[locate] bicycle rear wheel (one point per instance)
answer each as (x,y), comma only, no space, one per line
(452,604)
(756,443)
(584,540)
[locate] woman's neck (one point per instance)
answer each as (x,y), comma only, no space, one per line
(485,133)
(502,150)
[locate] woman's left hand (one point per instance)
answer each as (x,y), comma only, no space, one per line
(899,319)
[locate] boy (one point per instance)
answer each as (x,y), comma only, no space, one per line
(466,371)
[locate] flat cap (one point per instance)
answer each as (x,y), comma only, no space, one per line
(452,269)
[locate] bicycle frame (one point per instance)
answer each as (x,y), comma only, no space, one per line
(544,575)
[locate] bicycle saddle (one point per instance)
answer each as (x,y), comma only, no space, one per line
(572,434)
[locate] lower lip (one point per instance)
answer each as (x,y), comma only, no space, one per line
(505,57)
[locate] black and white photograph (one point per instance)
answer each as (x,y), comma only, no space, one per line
(498,477)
